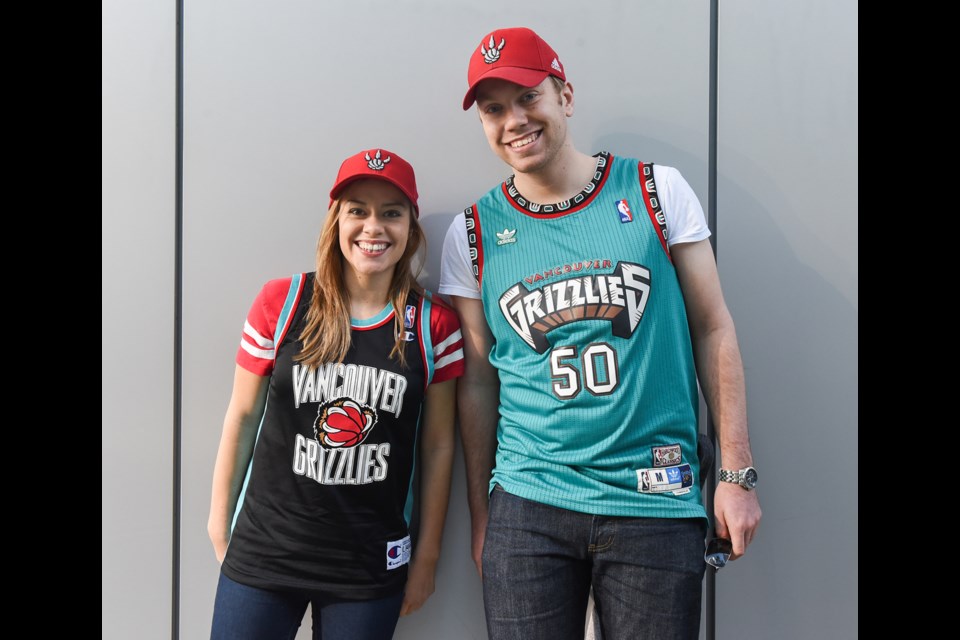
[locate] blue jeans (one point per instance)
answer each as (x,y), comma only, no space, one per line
(248,613)
(539,563)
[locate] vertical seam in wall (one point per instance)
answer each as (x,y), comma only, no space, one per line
(710,484)
(177,331)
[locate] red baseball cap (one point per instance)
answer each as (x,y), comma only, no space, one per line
(517,54)
(381,164)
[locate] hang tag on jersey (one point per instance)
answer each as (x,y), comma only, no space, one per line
(398,553)
(678,478)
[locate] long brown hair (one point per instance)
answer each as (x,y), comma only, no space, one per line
(327,334)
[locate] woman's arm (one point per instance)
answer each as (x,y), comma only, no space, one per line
(436,450)
(236,446)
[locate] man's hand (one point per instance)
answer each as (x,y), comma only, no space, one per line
(737,515)
(479,534)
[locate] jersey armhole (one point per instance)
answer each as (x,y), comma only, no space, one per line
(471,219)
(650,198)
(288,309)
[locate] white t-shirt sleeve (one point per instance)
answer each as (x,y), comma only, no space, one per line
(681,208)
(456,268)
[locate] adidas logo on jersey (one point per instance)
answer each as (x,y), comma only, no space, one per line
(506,236)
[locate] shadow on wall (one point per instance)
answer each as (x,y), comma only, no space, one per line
(794,301)
(435,227)
(795,304)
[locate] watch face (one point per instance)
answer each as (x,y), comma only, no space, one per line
(750,478)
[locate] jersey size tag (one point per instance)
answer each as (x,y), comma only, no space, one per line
(677,479)
(398,553)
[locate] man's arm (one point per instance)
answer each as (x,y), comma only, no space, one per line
(720,372)
(478,399)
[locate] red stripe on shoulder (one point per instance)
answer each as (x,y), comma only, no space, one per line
(471,216)
(652,205)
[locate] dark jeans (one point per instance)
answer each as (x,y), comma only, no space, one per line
(539,563)
(248,613)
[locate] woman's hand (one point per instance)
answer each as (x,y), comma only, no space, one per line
(420,584)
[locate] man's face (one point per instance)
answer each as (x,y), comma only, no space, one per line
(525,126)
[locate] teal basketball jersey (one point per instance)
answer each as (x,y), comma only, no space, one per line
(598,390)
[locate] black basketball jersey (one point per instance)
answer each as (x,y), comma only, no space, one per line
(328,498)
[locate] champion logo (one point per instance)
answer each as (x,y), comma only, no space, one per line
(375,162)
(506,236)
(398,553)
(556,65)
(623,208)
(492,54)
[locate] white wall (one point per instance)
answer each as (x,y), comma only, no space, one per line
(137,280)
(788,256)
(277,94)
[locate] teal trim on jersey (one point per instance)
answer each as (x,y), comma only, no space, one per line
(425,311)
(286,312)
(374,321)
(593,351)
(408,504)
(246,475)
(293,294)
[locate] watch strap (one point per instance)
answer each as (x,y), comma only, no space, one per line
(726,475)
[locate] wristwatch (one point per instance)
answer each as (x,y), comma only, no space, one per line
(746,477)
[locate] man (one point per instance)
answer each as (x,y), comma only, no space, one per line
(590,307)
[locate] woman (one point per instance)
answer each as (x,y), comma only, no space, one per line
(341,376)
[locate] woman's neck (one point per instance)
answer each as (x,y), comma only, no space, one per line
(368,295)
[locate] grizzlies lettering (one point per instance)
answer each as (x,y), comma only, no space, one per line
(619,297)
(358,465)
(349,398)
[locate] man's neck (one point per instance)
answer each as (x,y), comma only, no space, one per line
(567,175)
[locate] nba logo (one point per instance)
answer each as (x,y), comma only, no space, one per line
(409,316)
(624,209)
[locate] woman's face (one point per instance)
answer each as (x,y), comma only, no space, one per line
(374,227)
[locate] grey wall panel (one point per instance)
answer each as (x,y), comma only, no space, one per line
(788,255)
(137,230)
(277,95)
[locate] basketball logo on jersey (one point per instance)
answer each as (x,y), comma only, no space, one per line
(620,297)
(667,456)
(343,423)
(623,208)
(409,318)
(336,456)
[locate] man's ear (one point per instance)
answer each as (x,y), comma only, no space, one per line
(566,96)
